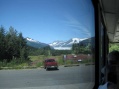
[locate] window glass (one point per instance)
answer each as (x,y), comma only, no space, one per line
(35,30)
(50,60)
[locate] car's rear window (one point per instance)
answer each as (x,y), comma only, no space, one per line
(50,60)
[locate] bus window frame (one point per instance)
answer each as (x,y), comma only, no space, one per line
(98,21)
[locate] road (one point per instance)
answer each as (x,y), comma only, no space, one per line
(76,77)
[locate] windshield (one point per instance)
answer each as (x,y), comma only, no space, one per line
(34,30)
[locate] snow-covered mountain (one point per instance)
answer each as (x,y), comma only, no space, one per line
(65,45)
(58,45)
(34,43)
(32,40)
(73,40)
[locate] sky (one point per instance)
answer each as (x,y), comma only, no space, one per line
(49,20)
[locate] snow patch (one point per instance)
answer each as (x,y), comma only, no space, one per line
(32,40)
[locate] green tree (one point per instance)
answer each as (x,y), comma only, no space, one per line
(12,45)
(113,46)
(23,50)
(2,42)
(81,48)
(75,48)
(47,50)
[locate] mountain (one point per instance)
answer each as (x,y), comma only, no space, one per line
(60,45)
(34,43)
(65,45)
(87,41)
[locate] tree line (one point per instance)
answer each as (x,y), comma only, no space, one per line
(81,48)
(48,51)
(12,45)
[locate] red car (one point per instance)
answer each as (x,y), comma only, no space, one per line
(50,64)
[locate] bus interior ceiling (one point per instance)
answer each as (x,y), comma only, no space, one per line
(110,12)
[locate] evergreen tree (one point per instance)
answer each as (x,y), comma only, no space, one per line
(2,43)
(23,50)
(12,45)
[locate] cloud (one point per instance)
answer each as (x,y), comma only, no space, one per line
(76,25)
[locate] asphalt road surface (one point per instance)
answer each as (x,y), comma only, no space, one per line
(76,77)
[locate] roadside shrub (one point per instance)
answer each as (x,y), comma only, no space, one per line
(68,62)
(3,63)
(39,64)
(87,61)
(60,62)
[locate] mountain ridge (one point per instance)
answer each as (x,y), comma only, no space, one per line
(34,43)
(57,45)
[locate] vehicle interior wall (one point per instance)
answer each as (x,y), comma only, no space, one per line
(110,14)
(106,19)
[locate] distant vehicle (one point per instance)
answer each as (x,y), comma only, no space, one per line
(50,64)
(79,60)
